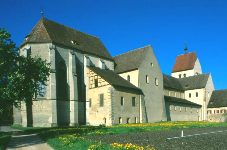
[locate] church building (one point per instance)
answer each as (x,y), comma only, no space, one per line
(87,86)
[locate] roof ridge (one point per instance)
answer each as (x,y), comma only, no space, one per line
(69,27)
(42,19)
(188,53)
(132,50)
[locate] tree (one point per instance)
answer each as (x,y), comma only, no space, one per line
(24,83)
(24,79)
(8,55)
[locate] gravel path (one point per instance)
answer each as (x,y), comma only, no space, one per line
(211,141)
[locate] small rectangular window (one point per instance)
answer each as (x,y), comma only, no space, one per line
(135,120)
(120,120)
(101,100)
(190,95)
(147,79)
(90,102)
(103,65)
(179,75)
(197,94)
(122,101)
(96,82)
(133,101)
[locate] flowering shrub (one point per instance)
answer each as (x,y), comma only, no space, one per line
(165,124)
(70,139)
(98,146)
(130,146)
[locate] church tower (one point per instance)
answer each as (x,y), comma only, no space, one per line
(186,65)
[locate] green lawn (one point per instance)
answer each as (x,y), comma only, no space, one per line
(74,137)
(4,139)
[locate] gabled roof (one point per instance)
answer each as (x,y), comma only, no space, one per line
(172,83)
(187,83)
(131,60)
(185,62)
(194,82)
(46,31)
(218,99)
(179,100)
(115,80)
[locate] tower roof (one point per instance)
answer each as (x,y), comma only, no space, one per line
(47,31)
(185,62)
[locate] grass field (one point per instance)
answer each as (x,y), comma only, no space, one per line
(75,137)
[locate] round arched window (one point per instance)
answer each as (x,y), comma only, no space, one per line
(156,81)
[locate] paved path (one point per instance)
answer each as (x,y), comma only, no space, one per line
(22,141)
(27,142)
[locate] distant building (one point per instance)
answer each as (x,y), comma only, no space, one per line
(89,86)
(217,107)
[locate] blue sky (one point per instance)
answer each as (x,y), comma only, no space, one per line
(123,25)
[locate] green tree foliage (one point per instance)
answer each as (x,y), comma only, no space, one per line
(8,59)
(23,75)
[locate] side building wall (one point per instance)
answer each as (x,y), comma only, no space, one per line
(151,83)
(217,114)
(126,113)
(182,112)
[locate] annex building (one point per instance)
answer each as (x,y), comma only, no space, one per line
(89,86)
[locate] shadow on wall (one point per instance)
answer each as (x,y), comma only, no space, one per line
(81,91)
(168,117)
(62,92)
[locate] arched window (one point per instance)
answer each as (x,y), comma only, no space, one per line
(156,81)
(179,75)
(147,79)
(128,120)
(128,78)
(104,120)
(135,120)
(120,120)
(197,94)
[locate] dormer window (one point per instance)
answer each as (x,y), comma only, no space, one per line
(74,42)
(26,38)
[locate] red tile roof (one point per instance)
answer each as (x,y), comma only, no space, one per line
(185,62)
